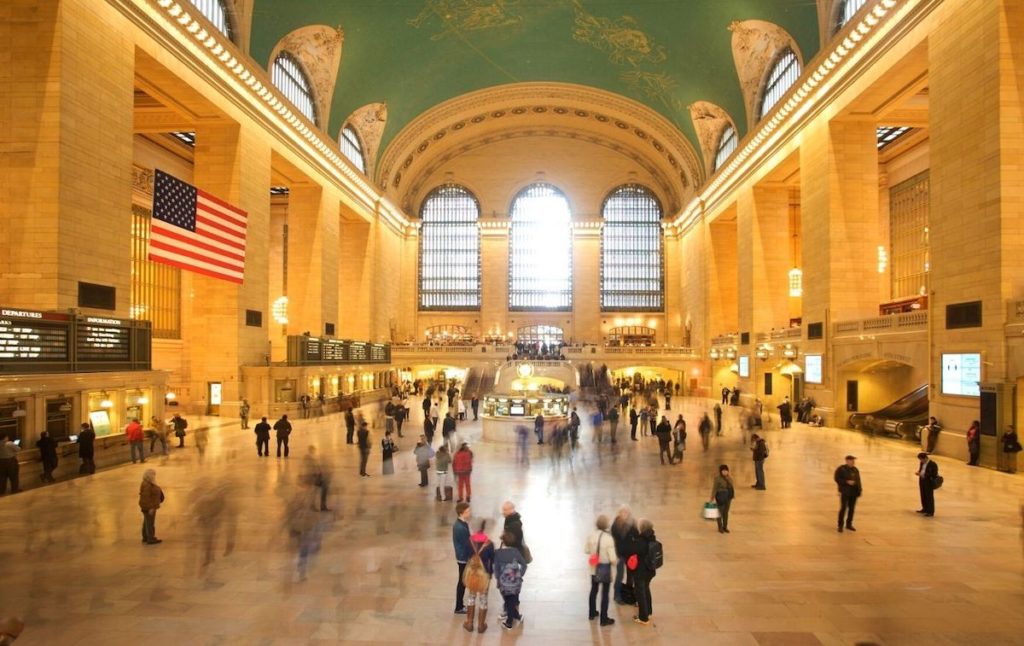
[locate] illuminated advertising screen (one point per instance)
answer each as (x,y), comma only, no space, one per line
(744,366)
(961,374)
(812,368)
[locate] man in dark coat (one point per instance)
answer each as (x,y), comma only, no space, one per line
(363,435)
(664,434)
(643,574)
(513,525)
(926,474)
(262,431)
(284,430)
(633,419)
(847,478)
(47,455)
(350,426)
(86,450)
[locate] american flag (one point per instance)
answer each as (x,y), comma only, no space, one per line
(196,231)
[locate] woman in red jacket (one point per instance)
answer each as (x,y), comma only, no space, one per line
(462,465)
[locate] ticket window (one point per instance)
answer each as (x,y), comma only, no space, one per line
(103,413)
(58,418)
(12,426)
(138,406)
(284,391)
(215,395)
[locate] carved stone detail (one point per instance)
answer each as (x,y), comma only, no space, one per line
(369,122)
(318,49)
(142,179)
(755,46)
(710,120)
(579,107)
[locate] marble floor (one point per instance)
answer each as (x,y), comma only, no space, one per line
(74,568)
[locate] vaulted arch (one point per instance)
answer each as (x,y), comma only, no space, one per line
(756,46)
(317,48)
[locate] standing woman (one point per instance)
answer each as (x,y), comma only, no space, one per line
(722,494)
(388,449)
(974,442)
(150,497)
(601,548)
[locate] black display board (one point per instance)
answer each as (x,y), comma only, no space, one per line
(311,350)
(34,341)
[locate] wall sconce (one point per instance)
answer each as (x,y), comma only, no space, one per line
(789,351)
(19,411)
(763,352)
(734,368)
(796,282)
(170,396)
(106,402)
(715,354)
(279,310)
(730,353)
(883,259)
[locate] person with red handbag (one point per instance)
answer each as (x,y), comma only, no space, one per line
(601,548)
(462,465)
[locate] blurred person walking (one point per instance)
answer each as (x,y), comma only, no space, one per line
(442,463)
(423,454)
(363,438)
(387,452)
(624,532)
(9,467)
(243,413)
(180,424)
(157,433)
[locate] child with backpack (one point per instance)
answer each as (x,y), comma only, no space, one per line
(510,566)
(477,578)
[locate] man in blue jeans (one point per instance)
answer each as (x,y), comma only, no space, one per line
(463,551)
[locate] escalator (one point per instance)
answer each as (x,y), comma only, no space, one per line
(902,418)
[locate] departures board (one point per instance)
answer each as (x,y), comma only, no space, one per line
(310,350)
(44,341)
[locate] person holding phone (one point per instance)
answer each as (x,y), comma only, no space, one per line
(9,449)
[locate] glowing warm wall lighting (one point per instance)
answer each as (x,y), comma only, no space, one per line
(883,259)
(796,282)
(279,310)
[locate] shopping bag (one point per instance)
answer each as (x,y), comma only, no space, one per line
(710,511)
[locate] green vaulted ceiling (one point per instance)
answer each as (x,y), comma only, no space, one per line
(414,54)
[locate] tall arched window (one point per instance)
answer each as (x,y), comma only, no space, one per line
(351,148)
(217,13)
(783,75)
(847,9)
(289,77)
(726,146)
(540,250)
(631,274)
(450,250)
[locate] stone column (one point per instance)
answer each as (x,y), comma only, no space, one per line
(355,266)
(233,164)
(976,72)
(66,115)
(586,286)
(312,259)
(722,275)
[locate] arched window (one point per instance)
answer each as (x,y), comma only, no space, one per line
(351,148)
(540,251)
(783,75)
(216,11)
(293,83)
(847,9)
(726,146)
(450,250)
(631,275)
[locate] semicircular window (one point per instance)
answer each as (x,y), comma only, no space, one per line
(847,10)
(783,75)
(352,148)
(450,250)
(726,146)
(217,13)
(289,77)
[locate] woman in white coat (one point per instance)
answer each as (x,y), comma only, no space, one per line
(601,548)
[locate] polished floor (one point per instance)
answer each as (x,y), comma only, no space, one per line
(74,567)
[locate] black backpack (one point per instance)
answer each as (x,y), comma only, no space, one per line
(655,555)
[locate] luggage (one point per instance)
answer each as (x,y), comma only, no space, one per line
(628,595)
(711,511)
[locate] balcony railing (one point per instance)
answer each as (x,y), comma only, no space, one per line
(725,339)
(907,322)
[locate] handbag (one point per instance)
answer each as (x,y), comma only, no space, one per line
(527,555)
(711,511)
(937,482)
